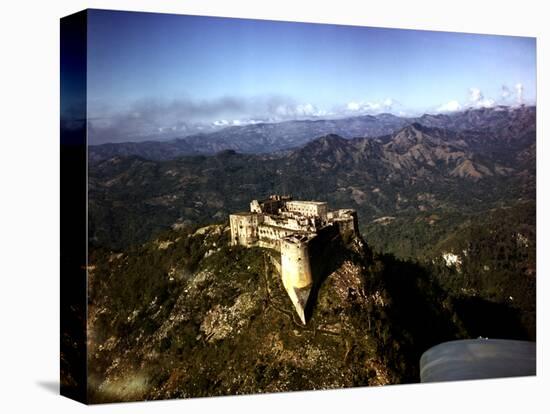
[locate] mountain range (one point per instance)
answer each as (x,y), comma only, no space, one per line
(273,137)
(417,170)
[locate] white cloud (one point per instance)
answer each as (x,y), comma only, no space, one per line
(150,117)
(235,122)
(519,93)
(486,103)
(354,106)
(505,92)
(451,106)
(475,95)
(221,122)
(365,107)
(293,111)
(478,100)
(306,110)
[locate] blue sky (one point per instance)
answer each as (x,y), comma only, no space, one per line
(161,72)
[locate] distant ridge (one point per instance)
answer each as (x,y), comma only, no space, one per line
(417,168)
(266,138)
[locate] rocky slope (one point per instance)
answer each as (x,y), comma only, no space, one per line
(188,316)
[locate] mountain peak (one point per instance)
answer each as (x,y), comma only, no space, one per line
(417,126)
(412,132)
(331,138)
(329,141)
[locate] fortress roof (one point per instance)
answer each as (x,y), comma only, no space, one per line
(316,203)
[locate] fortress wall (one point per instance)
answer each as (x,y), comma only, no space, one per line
(308,208)
(270,236)
(304,263)
(269,244)
(346,225)
(270,205)
(321,251)
(244,228)
(345,219)
(322,211)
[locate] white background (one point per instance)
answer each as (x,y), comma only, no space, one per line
(29,203)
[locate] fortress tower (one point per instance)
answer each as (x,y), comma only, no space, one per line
(296,270)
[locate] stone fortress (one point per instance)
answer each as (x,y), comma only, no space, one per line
(301,231)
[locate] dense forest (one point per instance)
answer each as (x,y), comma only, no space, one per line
(187,292)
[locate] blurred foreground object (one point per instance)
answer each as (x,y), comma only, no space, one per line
(478,359)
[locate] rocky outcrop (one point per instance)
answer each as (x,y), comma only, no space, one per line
(228,327)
